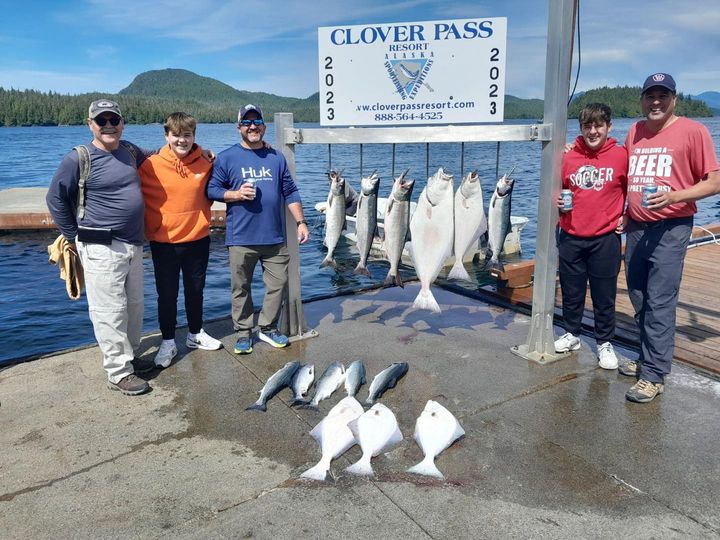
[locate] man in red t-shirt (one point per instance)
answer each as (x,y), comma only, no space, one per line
(677,155)
(595,171)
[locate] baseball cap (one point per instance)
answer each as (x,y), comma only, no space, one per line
(659,79)
(246,109)
(103,105)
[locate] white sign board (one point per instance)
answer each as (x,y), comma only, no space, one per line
(435,72)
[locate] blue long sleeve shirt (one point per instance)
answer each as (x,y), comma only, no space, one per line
(260,221)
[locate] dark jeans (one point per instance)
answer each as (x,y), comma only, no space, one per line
(168,261)
(654,258)
(596,260)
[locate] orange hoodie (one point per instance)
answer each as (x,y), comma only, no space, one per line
(176,207)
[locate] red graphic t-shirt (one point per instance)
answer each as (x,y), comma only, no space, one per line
(675,158)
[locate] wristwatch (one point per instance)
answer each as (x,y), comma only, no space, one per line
(301,222)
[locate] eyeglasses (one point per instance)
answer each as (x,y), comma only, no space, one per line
(102,120)
(258,122)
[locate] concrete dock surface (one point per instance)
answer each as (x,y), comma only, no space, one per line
(550,451)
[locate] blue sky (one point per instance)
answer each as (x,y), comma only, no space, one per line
(101,45)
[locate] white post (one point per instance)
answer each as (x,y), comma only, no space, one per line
(561,24)
(292,319)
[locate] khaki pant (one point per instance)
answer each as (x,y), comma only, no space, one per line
(114,288)
(243,259)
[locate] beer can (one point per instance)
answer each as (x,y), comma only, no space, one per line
(567,200)
(648,190)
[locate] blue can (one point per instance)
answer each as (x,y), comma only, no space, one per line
(649,189)
(567,200)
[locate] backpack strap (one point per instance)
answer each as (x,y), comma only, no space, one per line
(84,156)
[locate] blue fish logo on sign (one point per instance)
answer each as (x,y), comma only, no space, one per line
(408,75)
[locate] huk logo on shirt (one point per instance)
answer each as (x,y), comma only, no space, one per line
(258,174)
(591,177)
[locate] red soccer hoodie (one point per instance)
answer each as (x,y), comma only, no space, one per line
(176,207)
(598,181)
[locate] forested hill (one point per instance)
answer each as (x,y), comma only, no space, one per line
(153,95)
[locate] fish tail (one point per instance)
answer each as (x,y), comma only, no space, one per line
(426,300)
(361,468)
(390,280)
(458,271)
(361,270)
(309,405)
(257,407)
(328,261)
(318,472)
(427,467)
(494,267)
(298,401)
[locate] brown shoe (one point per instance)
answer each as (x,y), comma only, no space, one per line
(644,391)
(131,385)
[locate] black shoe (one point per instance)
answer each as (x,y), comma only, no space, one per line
(141,366)
(130,385)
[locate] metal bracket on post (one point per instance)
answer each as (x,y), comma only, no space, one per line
(292,317)
(540,345)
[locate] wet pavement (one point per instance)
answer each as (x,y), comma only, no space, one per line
(550,451)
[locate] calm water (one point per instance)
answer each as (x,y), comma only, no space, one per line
(37,317)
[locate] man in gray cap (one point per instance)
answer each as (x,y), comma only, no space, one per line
(675,155)
(104,217)
(255,183)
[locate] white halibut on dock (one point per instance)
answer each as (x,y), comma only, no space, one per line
(470,222)
(432,232)
(374,431)
(334,435)
(435,429)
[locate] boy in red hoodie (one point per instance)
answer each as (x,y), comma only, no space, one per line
(177,221)
(589,242)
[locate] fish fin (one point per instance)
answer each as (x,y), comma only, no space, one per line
(361,468)
(316,432)
(458,271)
(395,438)
(318,472)
(389,206)
(427,467)
(494,267)
(310,406)
(390,280)
(426,300)
(328,261)
(353,427)
(298,401)
(257,407)
(459,432)
(361,270)
(399,281)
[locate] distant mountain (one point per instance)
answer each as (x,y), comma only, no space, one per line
(712,99)
(625,102)
(181,85)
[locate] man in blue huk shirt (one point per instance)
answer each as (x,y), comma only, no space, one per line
(255,183)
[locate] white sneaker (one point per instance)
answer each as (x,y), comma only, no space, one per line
(202,341)
(166,353)
(607,359)
(566,343)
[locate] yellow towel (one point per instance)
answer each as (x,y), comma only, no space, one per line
(65,255)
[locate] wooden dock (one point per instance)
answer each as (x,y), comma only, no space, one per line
(697,336)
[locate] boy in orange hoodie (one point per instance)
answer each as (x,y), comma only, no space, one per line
(177,221)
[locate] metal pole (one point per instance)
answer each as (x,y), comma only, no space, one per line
(561,23)
(292,318)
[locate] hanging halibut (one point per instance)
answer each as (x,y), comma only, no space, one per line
(470,222)
(432,232)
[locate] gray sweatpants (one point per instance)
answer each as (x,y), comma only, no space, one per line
(243,259)
(114,289)
(654,259)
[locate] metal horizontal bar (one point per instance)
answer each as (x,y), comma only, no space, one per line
(424,134)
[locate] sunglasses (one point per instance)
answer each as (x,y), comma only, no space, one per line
(102,121)
(258,122)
